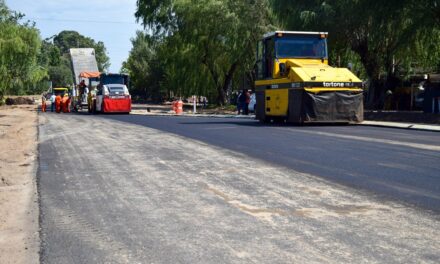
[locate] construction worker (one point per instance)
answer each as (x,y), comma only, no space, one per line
(82,86)
(43,103)
(58,103)
(68,103)
(89,101)
(64,105)
(242,102)
(52,102)
(248,100)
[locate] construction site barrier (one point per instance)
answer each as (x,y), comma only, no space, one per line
(179,107)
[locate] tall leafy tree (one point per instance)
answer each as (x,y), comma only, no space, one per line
(205,43)
(380,33)
(57,64)
(55,56)
(61,73)
(66,40)
(144,68)
(19,50)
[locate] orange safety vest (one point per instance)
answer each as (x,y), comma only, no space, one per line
(68,104)
(43,104)
(64,104)
(58,103)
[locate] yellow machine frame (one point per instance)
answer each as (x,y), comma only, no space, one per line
(308,89)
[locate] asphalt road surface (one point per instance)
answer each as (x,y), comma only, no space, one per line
(150,189)
(398,164)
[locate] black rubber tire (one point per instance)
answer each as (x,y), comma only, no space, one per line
(279,120)
(266,120)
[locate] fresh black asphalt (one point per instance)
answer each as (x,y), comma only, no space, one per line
(397,172)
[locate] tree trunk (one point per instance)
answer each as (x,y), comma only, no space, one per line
(222,88)
(228,78)
(372,68)
(250,76)
(221,96)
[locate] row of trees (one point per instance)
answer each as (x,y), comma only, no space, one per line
(206,47)
(56,59)
(388,40)
(19,48)
(195,47)
(28,63)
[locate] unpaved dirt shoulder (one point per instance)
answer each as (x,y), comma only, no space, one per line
(19,238)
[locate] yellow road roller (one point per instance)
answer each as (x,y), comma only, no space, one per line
(295,84)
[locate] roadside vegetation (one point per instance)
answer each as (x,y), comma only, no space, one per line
(203,48)
(207,47)
(387,41)
(19,48)
(56,59)
(28,63)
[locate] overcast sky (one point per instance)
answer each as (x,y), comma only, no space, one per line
(110,21)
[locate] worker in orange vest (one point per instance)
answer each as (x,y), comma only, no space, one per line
(43,103)
(58,103)
(68,104)
(64,103)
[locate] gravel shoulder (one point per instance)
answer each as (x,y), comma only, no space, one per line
(19,238)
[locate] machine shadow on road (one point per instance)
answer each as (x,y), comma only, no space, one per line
(259,124)
(239,122)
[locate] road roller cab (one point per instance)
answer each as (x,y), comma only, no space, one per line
(296,84)
(60,91)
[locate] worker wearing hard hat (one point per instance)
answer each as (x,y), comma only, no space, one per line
(43,103)
(90,102)
(64,104)
(58,103)
(68,103)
